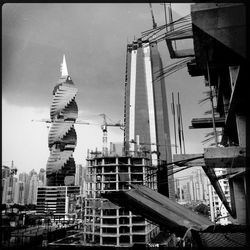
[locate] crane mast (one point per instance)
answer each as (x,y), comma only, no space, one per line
(104,128)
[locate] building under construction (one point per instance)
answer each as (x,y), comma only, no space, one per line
(219,34)
(122,201)
(107,224)
(218,31)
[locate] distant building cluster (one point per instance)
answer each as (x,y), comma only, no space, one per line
(22,188)
(196,188)
(192,188)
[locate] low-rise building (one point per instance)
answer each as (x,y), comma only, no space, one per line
(60,201)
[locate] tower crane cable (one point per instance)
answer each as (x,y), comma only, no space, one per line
(182,25)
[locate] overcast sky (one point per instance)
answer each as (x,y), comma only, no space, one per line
(93,37)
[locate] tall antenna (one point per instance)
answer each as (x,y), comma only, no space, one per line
(173,112)
(181,124)
(64,69)
(212,104)
(152,14)
(170,15)
(166,21)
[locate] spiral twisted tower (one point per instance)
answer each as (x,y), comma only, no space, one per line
(62,135)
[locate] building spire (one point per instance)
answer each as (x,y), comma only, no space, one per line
(64,70)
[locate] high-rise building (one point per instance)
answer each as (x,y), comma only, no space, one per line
(5,176)
(220,213)
(19,193)
(24,177)
(192,188)
(60,169)
(146,112)
(33,186)
(42,177)
(80,178)
(9,189)
(5,172)
(79,175)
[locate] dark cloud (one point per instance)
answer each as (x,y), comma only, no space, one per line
(93,37)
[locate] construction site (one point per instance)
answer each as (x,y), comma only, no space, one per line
(129,198)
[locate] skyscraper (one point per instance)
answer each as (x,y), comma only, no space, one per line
(24,177)
(62,136)
(42,176)
(146,113)
(33,185)
(19,193)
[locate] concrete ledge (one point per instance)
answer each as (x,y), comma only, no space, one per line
(194,163)
(228,157)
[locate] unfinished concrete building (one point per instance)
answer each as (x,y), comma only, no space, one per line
(219,45)
(107,224)
(219,33)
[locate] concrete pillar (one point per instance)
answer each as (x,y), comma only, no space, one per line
(241,129)
(211,203)
(240,200)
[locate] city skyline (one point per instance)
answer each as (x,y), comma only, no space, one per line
(95,48)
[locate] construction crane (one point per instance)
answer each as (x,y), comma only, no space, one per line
(104,127)
(48,121)
(77,122)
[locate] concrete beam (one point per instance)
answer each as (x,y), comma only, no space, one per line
(184,53)
(228,157)
(207,122)
(216,21)
(193,163)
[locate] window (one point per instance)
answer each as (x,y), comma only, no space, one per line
(109,230)
(136,169)
(136,161)
(124,229)
(109,221)
(122,168)
(123,211)
(109,212)
(109,240)
(124,220)
(108,169)
(110,177)
(111,160)
(124,239)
